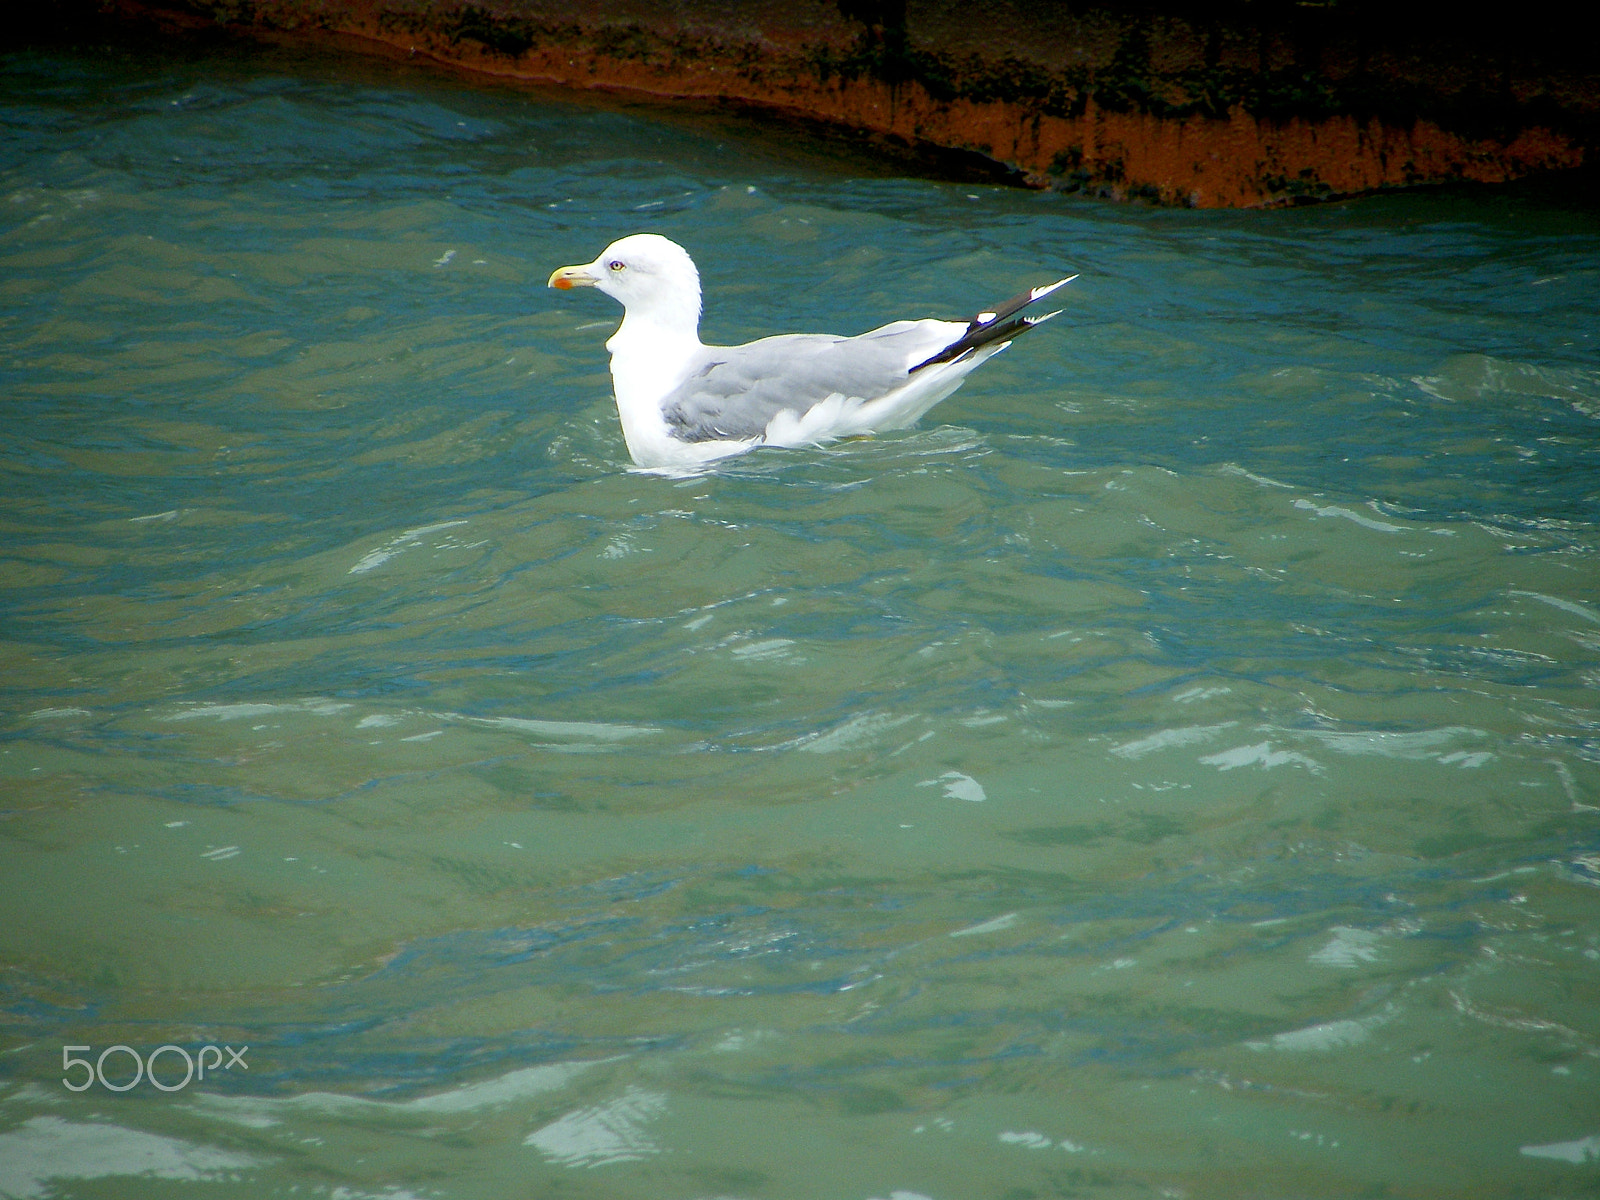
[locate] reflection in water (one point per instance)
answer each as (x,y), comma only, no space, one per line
(1172,768)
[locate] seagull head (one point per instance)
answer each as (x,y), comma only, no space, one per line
(651,276)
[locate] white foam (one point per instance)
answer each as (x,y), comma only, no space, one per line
(235,712)
(1571,606)
(1330,1035)
(759,651)
(48,1148)
(1334,510)
(1348,948)
(958,787)
(1028,1138)
(1419,744)
(397,544)
(1166,739)
(602,1133)
(1190,695)
(515,1085)
(1235,469)
(594,731)
(257,1112)
(991,926)
(854,732)
(1261,754)
(1584,1150)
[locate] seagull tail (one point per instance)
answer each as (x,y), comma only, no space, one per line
(999,324)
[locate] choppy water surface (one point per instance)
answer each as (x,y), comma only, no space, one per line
(1173,770)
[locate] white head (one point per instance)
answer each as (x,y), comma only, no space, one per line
(653,277)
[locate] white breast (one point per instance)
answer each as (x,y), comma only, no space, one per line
(647,365)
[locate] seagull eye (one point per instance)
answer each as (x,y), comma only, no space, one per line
(616,264)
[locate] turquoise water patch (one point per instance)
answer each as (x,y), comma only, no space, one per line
(1169,770)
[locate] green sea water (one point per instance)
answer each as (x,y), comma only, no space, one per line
(1172,770)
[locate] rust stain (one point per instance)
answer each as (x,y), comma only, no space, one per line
(1206,162)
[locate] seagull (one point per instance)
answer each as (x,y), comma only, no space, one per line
(684,404)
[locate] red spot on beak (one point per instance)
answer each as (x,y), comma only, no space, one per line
(562,282)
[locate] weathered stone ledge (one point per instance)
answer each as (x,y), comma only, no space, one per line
(1228,105)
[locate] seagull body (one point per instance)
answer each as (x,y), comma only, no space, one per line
(684,404)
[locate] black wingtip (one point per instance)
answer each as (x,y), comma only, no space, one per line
(993,325)
(1016,304)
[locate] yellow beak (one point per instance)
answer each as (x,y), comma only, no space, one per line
(571,277)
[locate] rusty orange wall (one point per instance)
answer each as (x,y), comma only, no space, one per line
(856,65)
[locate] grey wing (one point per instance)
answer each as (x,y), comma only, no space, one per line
(738,392)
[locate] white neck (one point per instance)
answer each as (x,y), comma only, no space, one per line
(659,352)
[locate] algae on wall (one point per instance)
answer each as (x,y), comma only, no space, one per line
(1174,102)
